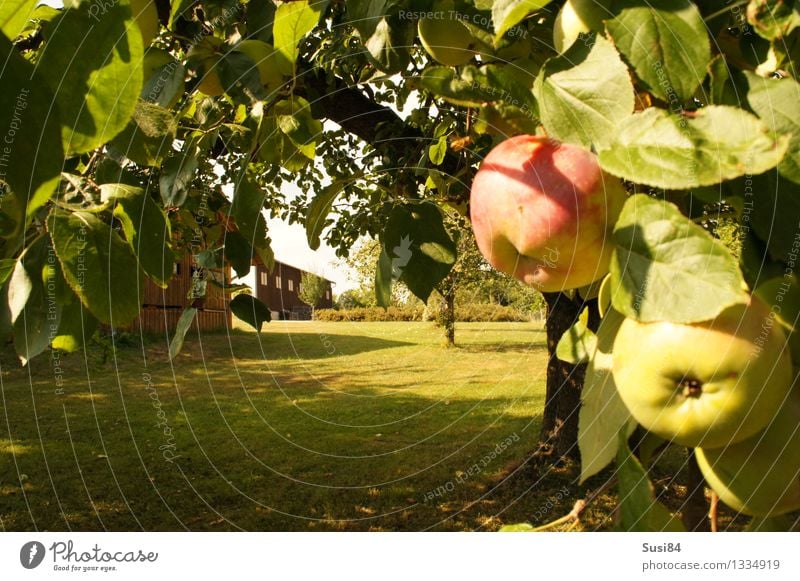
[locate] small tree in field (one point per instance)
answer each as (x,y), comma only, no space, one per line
(312,289)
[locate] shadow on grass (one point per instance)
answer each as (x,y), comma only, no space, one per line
(320,461)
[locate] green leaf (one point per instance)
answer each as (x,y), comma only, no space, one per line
(666,268)
(577,345)
(757,267)
(293,20)
(14,15)
(240,78)
(94,68)
(773,19)
(35,312)
(76,325)
(388,45)
(666,42)
(260,18)
(248,202)
(177,175)
(275,147)
(75,329)
(177,9)
(146,228)
(148,138)
(777,103)
(238,251)
(183,326)
(19,288)
(165,84)
(438,150)
(384,280)
(517,528)
(638,508)
(296,122)
(713,144)
(602,414)
(99,266)
(728,84)
(471,86)
(318,210)
(364,15)
(508,13)
(585,93)
(31,155)
(211,258)
(7,266)
(419,248)
(783,293)
(466,87)
(251,310)
(772,208)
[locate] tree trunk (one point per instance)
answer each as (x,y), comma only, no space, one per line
(449,313)
(559,433)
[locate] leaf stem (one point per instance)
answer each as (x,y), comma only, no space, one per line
(722,11)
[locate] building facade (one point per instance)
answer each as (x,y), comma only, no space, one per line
(280,288)
(162,307)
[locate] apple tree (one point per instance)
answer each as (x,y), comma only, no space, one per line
(627,133)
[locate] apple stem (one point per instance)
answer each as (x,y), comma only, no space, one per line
(713,512)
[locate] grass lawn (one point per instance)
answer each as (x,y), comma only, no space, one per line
(309,426)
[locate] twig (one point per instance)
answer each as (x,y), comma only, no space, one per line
(713,512)
(578,508)
(713,15)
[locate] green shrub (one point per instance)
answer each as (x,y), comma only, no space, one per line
(485,313)
(488,313)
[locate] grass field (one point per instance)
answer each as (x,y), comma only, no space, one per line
(309,426)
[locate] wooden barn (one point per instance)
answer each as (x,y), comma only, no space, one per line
(162,307)
(279,290)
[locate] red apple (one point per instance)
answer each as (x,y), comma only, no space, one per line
(544,211)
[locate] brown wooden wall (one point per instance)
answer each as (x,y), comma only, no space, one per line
(153,320)
(285,299)
(162,307)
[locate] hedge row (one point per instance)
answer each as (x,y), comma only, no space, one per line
(464,314)
(370,314)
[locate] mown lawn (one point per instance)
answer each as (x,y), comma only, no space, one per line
(309,426)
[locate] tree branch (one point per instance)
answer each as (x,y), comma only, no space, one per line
(361,116)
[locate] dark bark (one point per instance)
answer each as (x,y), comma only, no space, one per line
(375,124)
(356,113)
(559,432)
(449,314)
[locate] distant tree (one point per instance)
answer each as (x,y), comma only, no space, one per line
(312,289)
(361,263)
(350,299)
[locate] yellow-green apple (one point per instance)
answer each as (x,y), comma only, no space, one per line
(204,57)
(146,16)
(267,59)
(761,475)
(446,39)
(704,384)
(578,17)
(543,212)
